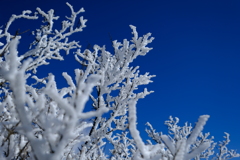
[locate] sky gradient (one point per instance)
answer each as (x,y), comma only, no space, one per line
(195,56)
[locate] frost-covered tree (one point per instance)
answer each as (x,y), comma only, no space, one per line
(40,121)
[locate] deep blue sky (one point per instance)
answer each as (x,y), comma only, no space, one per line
(195,57)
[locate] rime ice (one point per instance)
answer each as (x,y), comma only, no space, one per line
(42,121)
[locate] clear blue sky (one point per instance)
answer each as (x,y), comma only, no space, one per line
(195,57)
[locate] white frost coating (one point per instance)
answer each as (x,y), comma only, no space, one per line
(197,150)
(133,129)
(226,154)
(181,150)
(201,147)
(69,80)
(197,129)
(97,113)
(18,87)
(168,143)
(39,120)
(13,18)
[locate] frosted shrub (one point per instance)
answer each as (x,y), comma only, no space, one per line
(48,122)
